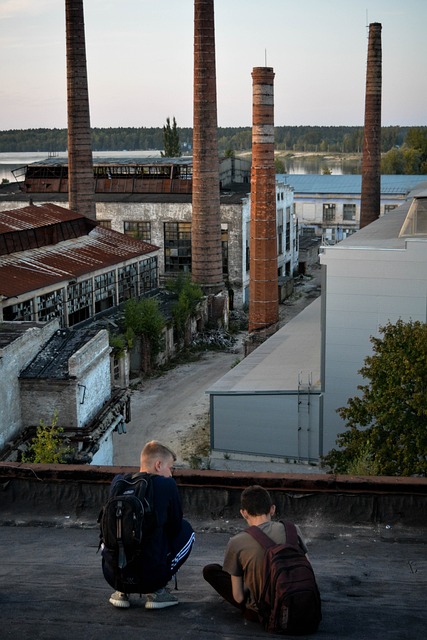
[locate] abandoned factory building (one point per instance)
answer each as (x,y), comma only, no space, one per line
(150,199)
(55,263)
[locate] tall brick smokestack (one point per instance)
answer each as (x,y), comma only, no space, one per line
(371,159)
(81,188)
(263,287)
(206,222)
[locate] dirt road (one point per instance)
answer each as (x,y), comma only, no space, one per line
(168,408)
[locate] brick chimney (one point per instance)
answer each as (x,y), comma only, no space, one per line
(263,287)
(371,159)
(206,222)
(81,187)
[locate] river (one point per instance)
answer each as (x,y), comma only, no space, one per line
(313,164)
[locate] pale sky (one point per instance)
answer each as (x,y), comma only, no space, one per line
(140,61)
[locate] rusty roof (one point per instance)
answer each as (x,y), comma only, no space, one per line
(34,216)
(43,266)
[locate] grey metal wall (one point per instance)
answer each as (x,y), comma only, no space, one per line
(274,424)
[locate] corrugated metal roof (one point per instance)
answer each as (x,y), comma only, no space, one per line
(34,269)
(112,160)
(34,216)
(348,184)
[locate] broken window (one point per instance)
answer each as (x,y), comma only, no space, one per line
(105,224)
(49,306)
(148,274)
(224,249)
(140,230)
(23,311)
(105,291)
(128,282)
(79,301)
(349,211)
(177,246)
(328,212)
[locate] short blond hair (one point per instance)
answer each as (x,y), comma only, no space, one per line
(154,450)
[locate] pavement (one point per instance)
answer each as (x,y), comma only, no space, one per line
(373,585)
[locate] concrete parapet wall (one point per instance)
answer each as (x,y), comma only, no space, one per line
(67,495)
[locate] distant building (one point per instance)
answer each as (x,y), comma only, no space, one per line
(328,206)
(150,199)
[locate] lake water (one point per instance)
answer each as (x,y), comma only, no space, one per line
(306,164)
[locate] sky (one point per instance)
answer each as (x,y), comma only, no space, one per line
(140,61)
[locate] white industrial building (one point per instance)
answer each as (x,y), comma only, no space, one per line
(280,402)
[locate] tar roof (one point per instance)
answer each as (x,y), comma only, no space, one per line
(52,360)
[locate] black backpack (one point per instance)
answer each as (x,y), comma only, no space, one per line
(128,517)
(290,599)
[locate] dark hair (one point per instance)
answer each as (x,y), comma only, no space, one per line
(256,500)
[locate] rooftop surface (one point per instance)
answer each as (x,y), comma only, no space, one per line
(297,344)
(372,575)
(350,184)
(372,587)
(384,233)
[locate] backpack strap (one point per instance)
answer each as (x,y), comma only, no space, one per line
(262,538)
(291,533)
(265,541)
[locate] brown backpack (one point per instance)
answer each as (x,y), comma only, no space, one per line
(290,599)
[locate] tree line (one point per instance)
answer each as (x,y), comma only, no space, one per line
(295,138)
(404,148)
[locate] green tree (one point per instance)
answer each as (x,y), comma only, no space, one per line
(48,445)
(189,296)
(144,319)
(387,424)
(171,145)
(279,165)
(392,162)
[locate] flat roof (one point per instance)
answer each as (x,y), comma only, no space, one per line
(383,233)
(349,184)
(369,561)
(292,353)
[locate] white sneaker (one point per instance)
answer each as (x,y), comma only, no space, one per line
(119,599)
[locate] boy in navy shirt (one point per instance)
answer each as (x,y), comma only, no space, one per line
(166,549)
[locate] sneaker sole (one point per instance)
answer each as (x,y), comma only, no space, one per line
(160,605)
(120,604)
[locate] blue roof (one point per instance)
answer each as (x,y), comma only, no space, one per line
(348,184)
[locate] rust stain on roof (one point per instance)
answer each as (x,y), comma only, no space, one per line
(39,267)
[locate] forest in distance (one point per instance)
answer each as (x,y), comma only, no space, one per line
(403,149)
(340,139)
